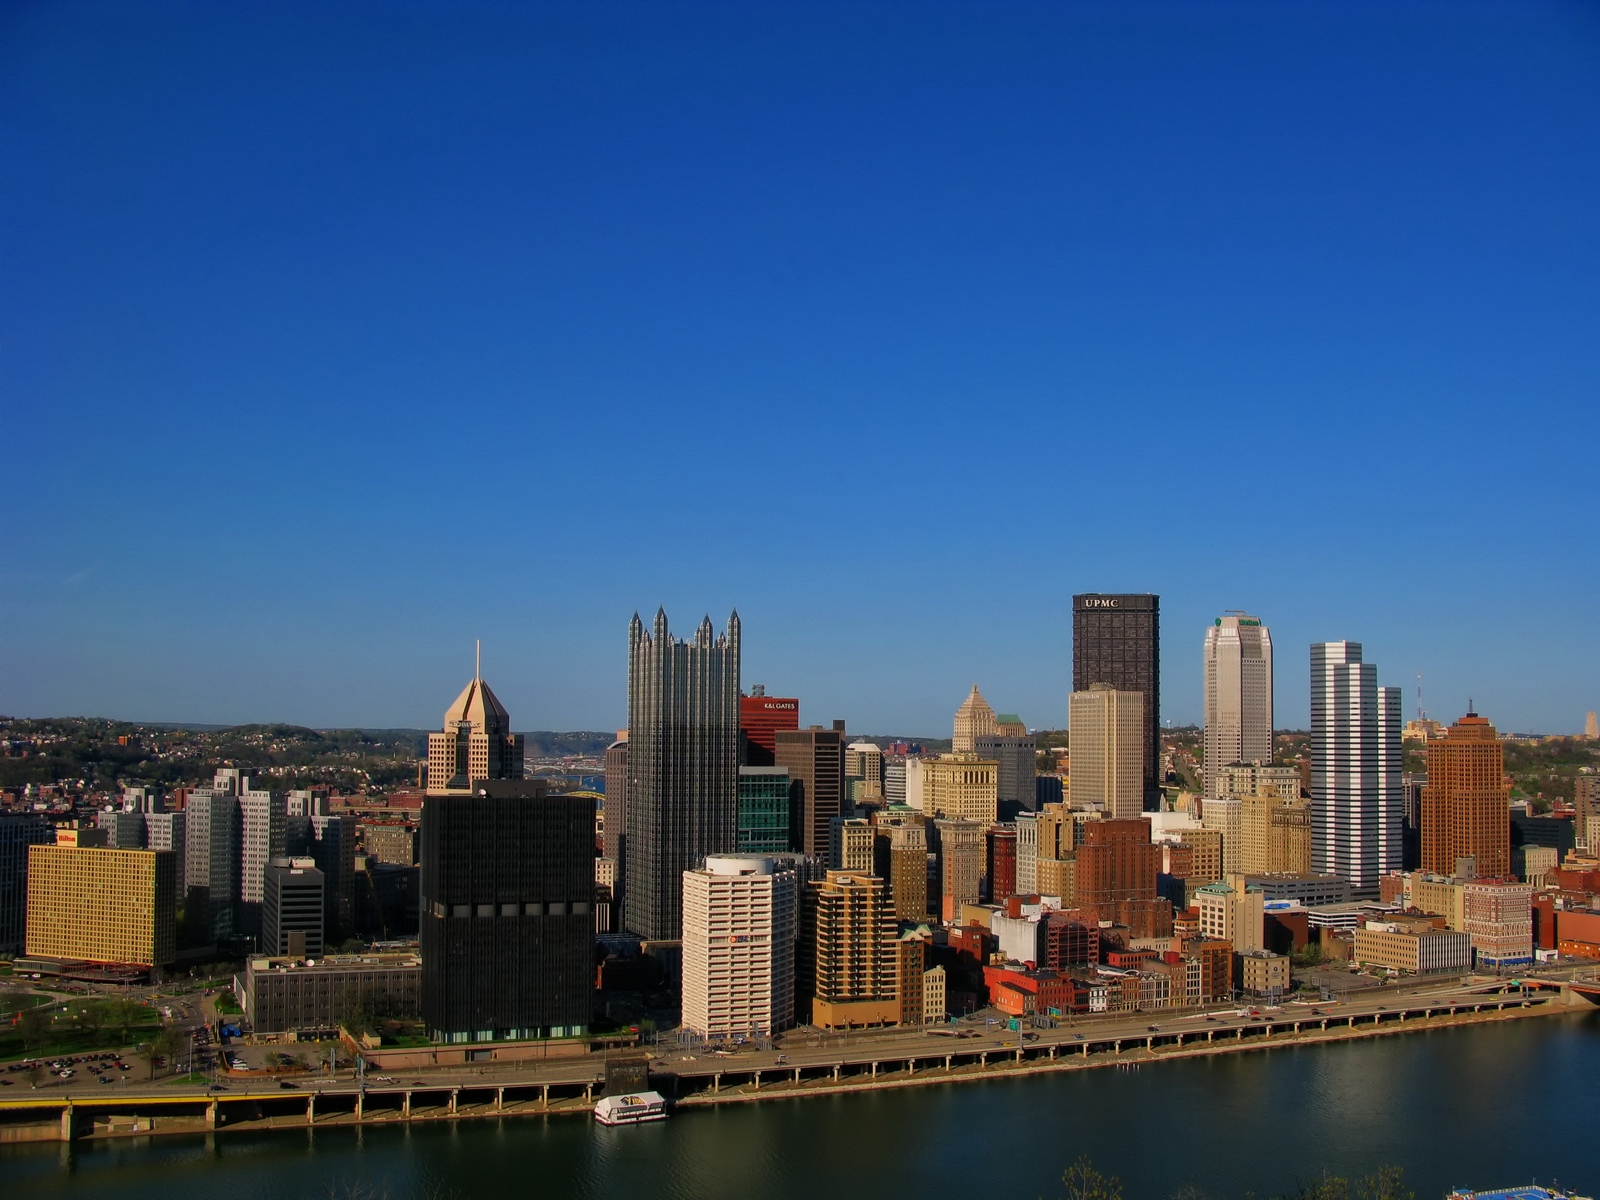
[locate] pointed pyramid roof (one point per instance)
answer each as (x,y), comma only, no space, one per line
(480,706)
(975,702)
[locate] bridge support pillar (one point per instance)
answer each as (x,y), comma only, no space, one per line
(544,1096)
(1116,1046)
(797,1076)
(405,1105)
(454,1095)
(211,1115)
(66,1123)
(1149,1043)
(836,1072)
(499,1099)
(716,1081)
(946,1062)
(756,1081)
(588,1092)
(311,1109)
(1211,1035)
(983,1059)
(361,1106)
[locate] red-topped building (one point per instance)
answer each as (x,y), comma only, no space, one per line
(760,718)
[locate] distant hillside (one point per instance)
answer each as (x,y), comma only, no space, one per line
(107,754)
(585,743)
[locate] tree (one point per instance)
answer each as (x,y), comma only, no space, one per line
(34,1024)
(1081,1181)
(168,1043)
(1386,1183)
(93,1020)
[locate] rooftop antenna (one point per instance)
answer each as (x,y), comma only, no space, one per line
(1420,713)
(477,665)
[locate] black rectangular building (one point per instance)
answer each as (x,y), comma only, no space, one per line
(506,931)
(1116,639)
(293,908)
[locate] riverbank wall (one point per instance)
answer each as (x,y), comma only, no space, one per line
(925,1063)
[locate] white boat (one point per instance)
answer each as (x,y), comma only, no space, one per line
(631,1109)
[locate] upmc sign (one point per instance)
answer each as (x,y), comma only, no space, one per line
(1100,602)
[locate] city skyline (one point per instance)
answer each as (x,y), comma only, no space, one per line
(1173,659)
(245,312)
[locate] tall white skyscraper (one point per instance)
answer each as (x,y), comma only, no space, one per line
(1238,695)
(1357,801)
(740,918)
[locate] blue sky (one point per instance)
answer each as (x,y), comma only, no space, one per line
(335,336)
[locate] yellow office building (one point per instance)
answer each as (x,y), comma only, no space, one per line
(88,904)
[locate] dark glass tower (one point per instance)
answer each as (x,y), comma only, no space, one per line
(506,926)
(1116,639)
(683,766)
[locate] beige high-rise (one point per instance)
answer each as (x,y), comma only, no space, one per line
(1238,696)
(1260,779)
(1274,835)
(974,719)
(1224,815)
(961,864)
(864,761)
(962,787)
(1107,730)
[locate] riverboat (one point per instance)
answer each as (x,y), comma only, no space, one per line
(632,1109)
(1532,1191)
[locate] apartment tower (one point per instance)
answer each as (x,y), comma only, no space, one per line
(850,930)
(1238,696)
(683,765)
(1357,796)
(1116,640)
(739,923)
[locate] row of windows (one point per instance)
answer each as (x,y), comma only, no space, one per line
(532,908)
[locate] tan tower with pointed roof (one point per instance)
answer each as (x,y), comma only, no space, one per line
(477,742)
(974,719)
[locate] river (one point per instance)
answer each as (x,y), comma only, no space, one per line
(1488,1105)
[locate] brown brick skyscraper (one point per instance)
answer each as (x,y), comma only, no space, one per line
(1464,808)
(1116,876)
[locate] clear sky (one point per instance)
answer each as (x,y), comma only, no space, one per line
(335,336)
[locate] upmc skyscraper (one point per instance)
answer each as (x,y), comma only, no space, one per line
(1116,639)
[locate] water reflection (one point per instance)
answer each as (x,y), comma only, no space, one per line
(1485,1106)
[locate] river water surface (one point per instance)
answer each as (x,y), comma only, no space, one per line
(1484,1106)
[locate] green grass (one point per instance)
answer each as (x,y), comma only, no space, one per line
(228,1005)
(12,1002)
(79,1026)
